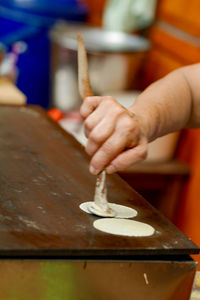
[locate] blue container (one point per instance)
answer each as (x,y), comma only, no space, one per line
(30,21)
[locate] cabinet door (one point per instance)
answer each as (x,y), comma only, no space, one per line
(183,14)
(96,8)
(158,64)
(171,48)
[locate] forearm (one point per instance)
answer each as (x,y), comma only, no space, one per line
(118,138)
(171,103)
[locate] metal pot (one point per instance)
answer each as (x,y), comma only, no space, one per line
(114,60)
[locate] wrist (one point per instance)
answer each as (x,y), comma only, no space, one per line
(148,119)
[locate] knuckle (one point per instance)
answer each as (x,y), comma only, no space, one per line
(128,122)
(97,138)
(118,109)
(127,125)
(83,111)
(88,100)
(112,106)
(88,124)
(109,99)
(93,137)
(87,106)
(143,153)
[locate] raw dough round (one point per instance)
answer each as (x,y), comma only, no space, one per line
(124,227)
(95,210)
(121,210)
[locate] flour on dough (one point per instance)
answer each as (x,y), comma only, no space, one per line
(121,210)
(124,227)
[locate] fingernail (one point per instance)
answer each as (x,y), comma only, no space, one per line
(110,169)
(93,170)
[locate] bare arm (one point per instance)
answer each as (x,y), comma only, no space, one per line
(118,137)
(171,103)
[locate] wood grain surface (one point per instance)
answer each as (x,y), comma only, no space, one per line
(44,177)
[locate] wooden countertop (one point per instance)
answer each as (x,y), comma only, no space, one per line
(44,177)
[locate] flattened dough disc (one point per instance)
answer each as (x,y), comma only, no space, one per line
(121,210)
(124,227)
(94,209)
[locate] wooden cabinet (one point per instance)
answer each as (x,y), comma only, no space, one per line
(175,38)
(182,14)
(96,8)
(171,48)
(158,64)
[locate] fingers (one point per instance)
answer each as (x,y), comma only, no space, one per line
(99,134)
(101,113)
(98,109)
(127,158)
(110,149)
(89,105)
(115,136)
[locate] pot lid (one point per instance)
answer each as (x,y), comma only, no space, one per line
(97,39)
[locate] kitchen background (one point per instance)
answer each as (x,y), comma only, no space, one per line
(150,39)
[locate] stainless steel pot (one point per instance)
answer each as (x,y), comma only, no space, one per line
(114,60)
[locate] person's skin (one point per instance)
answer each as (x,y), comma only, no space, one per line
(118,137)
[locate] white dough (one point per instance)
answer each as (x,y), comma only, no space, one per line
(121,210)
(97,211)
(124,227)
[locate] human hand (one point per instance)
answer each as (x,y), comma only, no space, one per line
(116,138)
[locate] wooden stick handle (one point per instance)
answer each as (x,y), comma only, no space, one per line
(85,89)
